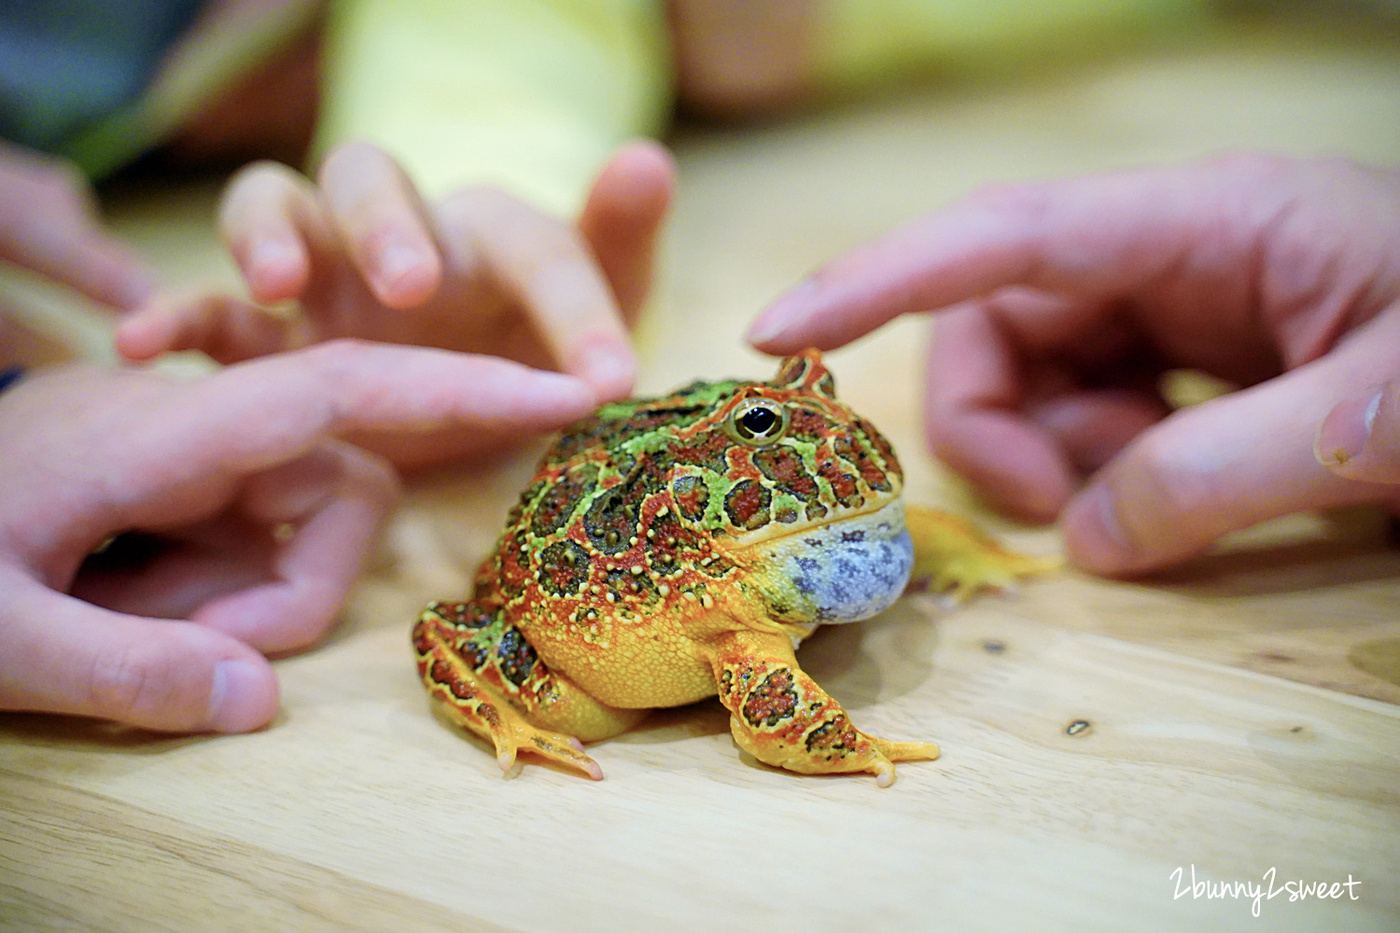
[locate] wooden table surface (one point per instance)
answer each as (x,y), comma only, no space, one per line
(1242,710)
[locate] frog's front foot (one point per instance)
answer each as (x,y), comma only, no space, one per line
(476,706)
(564,750)
(474,697)
(829,745)
(782,718)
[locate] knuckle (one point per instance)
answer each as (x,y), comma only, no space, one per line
(333,381)
(1175,481)
(335,357)
(145,684)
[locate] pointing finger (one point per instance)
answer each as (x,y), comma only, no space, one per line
(1089,238)
(332,389)
(623,218)
(271,221)
(987,242)
(551,272)
(381,221)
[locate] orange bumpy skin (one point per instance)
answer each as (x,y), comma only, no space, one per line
(675,548)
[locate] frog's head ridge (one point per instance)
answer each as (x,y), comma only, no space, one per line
(755,461)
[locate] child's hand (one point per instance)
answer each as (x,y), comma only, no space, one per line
(49,225)
(252,515)
(477,271)
(1064,304)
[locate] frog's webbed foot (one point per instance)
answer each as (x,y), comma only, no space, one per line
(782,718)
(898,751)
(954,556)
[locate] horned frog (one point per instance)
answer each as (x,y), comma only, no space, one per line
(673,548)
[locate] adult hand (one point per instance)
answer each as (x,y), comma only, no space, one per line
(476,271)
(261,514)
(1360,438)
(1064,303)
(49,225)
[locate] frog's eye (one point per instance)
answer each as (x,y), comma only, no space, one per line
(758,422)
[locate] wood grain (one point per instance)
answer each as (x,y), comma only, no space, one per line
(359,789)
(77,860)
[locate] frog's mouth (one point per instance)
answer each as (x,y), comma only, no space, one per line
(846,571)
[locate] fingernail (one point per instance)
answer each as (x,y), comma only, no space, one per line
(567,392)
(1346,429)
(780,315)
(241,698)
(269,253)
(271,264)
(1093,533)
(610,371)
(395,263)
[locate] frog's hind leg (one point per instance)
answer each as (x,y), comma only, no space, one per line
(490,681)
(954,556)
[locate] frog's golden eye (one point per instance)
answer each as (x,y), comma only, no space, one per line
(758,422)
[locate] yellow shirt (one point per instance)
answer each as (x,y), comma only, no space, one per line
(529,95)
(533,95)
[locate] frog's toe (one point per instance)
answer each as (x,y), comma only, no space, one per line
(887,753)
(909,751)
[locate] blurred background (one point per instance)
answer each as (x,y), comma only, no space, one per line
(900,107)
